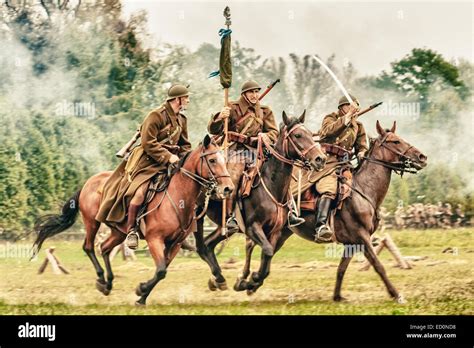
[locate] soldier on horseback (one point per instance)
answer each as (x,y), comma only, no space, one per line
(164,140)
(341,136)
(247,118)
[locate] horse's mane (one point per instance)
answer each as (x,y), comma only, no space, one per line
(369,151)
(183,159)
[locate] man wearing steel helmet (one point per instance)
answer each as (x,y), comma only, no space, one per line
(341,135)
(247,118)
(164,140)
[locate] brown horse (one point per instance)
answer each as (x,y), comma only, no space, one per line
(358,218)
(265,210)
(168,220)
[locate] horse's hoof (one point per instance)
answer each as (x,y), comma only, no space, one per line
(250,292)
(240,284)
(138,290)
(212,285)
(400,299)
(222,286)
(140,304)
(102,287)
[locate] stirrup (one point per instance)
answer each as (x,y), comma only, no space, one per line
(132,240)
(294,220)
(323,234)
(231,223)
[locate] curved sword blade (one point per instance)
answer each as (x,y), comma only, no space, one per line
(339,84)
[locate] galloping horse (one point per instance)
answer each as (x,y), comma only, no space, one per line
(358,218)
(168,219)
(265,210)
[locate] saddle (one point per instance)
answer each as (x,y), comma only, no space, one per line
(248,179)
(156,184)
(251,170)
(310,197)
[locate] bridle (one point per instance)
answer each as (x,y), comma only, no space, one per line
(302,161)
(404,163)
(210,184)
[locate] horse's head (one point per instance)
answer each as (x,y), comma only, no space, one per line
(212,167)
(395,152)
(297,143)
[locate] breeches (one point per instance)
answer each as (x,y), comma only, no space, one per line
(327,186)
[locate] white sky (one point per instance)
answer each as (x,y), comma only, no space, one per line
(368,34)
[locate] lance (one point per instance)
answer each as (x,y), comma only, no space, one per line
(225,72)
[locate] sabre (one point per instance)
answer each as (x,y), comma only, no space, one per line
(339,84)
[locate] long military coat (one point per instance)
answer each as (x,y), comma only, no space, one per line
(163,133)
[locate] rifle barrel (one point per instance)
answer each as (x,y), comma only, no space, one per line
(269,88)
(373,106)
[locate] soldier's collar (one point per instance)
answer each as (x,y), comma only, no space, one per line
(245,105)
(169,109)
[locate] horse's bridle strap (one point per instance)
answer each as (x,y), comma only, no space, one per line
(400,166)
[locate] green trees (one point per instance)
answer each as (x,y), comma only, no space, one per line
(76,81)
(417,73)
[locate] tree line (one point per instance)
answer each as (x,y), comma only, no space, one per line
(78,80)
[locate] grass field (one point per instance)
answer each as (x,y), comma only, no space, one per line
(301,281)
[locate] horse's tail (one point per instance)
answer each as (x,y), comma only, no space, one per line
(49,225)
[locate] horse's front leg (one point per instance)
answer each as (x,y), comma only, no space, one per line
(156,246)
(116,238)
(218,280)
(380,269)
(257,278)
(255,233)
(341,270)
(241,282)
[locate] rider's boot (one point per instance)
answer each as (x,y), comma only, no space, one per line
(323,231)
(132,234)
(294,220)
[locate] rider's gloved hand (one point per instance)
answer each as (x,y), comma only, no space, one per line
(360,155)
(237,137)
(225,113)
(353,110)
(173,159)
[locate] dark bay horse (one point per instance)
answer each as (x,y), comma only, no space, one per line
(265,210)
(169,217)
(358,219)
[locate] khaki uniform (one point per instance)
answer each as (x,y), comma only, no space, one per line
(163,133)
(248,120)
(333,131)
